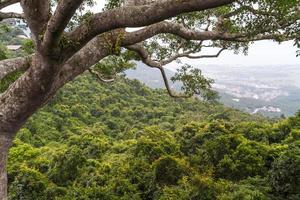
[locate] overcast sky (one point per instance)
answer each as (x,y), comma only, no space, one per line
(260,53)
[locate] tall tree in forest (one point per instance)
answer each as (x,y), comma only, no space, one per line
(68,43)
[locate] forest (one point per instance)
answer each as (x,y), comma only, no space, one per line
(74,127)
(127,141)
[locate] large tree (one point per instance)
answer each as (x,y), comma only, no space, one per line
(69,40)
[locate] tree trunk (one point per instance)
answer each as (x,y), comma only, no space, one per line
(5,143)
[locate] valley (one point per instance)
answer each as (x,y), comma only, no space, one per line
(269,90)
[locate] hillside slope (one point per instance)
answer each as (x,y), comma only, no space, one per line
(127,141)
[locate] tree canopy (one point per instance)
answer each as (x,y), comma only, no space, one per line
(145,145)
(68,39)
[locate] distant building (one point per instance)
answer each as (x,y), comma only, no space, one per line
(13,47)
(236,100)
(22,36)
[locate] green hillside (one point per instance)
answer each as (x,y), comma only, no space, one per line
(127,141)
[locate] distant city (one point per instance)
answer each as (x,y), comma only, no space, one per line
(269,90)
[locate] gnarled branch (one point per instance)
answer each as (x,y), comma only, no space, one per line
(206,56)
(189,34)
(138,48)
(137,16)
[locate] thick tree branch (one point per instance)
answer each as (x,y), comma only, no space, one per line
(36,13)
(26,94)
(58,22)
(189,34)
(137,16)
(82,60)
(11,65)
(96,49)
(183,32)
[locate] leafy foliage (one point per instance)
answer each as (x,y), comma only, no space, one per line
(195,83)
(126,141)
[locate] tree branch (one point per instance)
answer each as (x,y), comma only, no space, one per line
(36,13)
(138,48)
(11,65)
(8,15)
(100,78)
(96,49)
(206,56)
(137,16)
(58,22)
(189,34)
(183,32)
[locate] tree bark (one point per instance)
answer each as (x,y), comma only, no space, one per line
(24,97)
(5,143)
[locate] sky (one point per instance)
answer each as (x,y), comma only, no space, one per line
(260,53)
